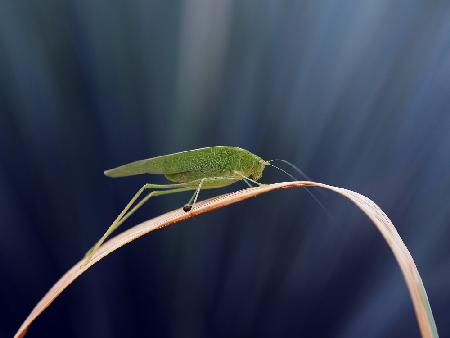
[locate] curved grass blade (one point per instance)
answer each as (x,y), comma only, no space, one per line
(413,281)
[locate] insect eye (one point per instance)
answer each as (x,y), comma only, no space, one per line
(187,208)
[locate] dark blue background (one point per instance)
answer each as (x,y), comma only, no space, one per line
(355,92)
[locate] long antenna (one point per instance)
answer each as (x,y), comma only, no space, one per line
(301,172)
(284,171)
(314,197)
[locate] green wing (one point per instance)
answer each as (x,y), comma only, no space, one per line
(185,161)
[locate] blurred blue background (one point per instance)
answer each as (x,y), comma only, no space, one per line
(355,92)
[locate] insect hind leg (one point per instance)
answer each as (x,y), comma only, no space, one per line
(125,214)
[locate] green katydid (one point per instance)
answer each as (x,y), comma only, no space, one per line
(203,168)
(192,170)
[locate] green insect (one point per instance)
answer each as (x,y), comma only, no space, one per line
(203,168)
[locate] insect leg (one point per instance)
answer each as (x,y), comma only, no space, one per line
(246,179)
(194,197)
(140,191)
(123,216)
(247,182)
(164,186)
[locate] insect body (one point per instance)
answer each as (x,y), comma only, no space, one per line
(217,166)
(203,168)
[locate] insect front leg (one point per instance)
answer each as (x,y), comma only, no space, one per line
(246,179)
(247,182)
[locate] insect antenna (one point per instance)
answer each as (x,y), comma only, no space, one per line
(284,171)
(301,172)
(314,197)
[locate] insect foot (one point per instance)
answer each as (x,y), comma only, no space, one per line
(187,208)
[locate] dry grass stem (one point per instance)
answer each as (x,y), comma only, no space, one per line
(382,222)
